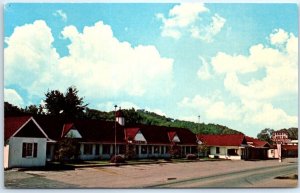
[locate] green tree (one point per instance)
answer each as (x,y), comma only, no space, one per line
(10,110)
(202,149)
(67,149)
(293,133)
(54,102)
(32,109)
(265,135)
(131,116)
(68,105)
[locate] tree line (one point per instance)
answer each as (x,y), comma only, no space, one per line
(69,105)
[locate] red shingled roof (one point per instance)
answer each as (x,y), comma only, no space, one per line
(130,133)
(222,140)
(12,124)
(256,142)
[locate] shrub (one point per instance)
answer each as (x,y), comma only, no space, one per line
(191,156)
(117,159)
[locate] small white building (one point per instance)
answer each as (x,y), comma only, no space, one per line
(230,146)
(25,143)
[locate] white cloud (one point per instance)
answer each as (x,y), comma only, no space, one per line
(212,107)
(271,117)
(280,65)
(60,13)
(99,65)
(253,98)
(30,59)
(204,71)
(114,66)
(185,18)
(11,96)
(279,36)
(246,112)
(208,32)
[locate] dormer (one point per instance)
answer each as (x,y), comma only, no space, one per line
(134,135)
(69,131)
(173,137)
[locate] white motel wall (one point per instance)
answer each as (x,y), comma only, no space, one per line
(223,153)
(13,152)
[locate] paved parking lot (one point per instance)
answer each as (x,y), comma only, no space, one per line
(133,176)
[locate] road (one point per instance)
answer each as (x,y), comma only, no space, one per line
(259,177)
(201,174)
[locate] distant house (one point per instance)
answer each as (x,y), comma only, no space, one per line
(25,142)
(257,149)
(230,146)
(281,136)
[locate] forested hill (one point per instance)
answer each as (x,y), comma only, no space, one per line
(133,116)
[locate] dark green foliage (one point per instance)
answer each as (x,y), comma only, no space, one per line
(68,105)
(67,149)
(266,135)
(11,110)
(293,133)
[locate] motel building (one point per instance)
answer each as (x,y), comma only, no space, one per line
(33,140)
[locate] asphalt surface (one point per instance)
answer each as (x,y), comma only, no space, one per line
(252,178)
(21,180)
(201,174)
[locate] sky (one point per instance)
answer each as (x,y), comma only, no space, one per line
(230,64)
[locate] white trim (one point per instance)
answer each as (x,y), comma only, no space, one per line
(39,127)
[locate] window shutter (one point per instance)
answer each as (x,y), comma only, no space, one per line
(35,150)
(24,150)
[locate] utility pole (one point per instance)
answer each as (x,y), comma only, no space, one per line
(115,131)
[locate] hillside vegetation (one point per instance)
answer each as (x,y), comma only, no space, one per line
(133,116)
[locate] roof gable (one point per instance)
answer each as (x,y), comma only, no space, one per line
(23,127)
(70,131)
(256,142)
(173,137)
(134,134)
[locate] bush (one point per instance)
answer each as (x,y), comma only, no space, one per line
(191,156)
(117,159)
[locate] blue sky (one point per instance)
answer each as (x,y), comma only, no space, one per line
(232,64)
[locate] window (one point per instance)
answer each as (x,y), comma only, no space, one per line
(232,152)
(106,149)
(150,149)
(97,149)
(188,149)
(144,149)
(156,149)
(122,149)
(217,150)
(29,150)
(88,149)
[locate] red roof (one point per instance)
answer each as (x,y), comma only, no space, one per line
(66,128)
(256,142)
(223,140)
(12,124)
(130,133)
(290,147)
(171,135)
